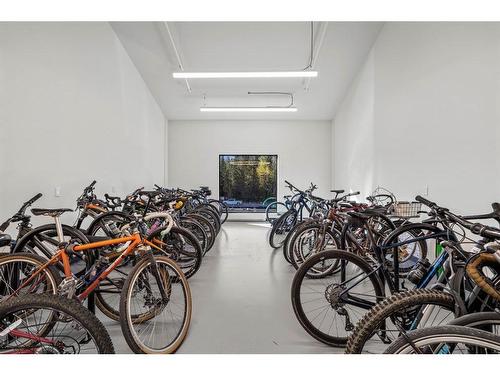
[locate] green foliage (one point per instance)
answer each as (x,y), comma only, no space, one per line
(249,178)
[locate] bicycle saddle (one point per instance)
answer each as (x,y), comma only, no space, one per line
(337,191)
(50,211)
(5,239)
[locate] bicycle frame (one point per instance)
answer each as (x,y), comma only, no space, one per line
(61,256)
(384,274)
(24,335)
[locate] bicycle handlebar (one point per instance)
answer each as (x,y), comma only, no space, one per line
(19,214)
(476,228)
(90,187)
(28,203)
(493,215)
(290,186)
(475,267)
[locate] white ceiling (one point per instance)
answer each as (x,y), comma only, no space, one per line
(247,46)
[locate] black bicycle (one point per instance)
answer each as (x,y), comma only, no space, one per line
(329,306)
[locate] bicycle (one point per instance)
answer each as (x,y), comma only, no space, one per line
(413,309)
(360,283)
(303,200)
(156,281)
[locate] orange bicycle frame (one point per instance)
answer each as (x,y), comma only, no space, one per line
(64,258)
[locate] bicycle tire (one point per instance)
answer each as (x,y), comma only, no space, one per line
(277,226)
(207,225)
(177,232)
(301,274)
(268,208)
(372,320)
(126,317)
(300,232)
(471,337)
(70,308)
(36,260)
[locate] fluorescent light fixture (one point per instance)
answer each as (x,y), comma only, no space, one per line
(248,109)
(292,74)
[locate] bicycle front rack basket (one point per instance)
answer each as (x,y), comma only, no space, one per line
(406,209)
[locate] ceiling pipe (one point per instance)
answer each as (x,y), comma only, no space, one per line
(179,61)
(321,39)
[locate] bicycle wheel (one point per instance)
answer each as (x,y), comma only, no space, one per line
(108,224)
(221,208)
(199,232)
(287,249)
(73,329)
(487,321)
(207,225)
(152,323)
(312,240)
(274,210)
(409,254)
(211,214)
(181,246)
(329,306)
(446,340)
(400,313)
(281,228)
(16,269)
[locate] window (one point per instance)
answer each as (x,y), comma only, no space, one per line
(248,183)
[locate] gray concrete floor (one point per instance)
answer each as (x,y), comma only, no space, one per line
(241,300)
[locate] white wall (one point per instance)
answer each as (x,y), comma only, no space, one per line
(424,112)
(354,134)
(165,155)
(73,108)
(303,149)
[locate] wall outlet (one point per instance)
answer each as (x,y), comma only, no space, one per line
(57,191)
(113,189)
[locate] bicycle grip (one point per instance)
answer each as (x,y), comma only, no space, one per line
(4,226)
(422,200)
(35,198)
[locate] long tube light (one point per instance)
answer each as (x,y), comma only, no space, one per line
(248,109)
(291,74)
